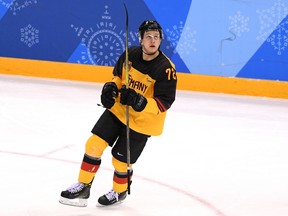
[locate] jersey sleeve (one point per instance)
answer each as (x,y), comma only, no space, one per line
(117,71)
(165,89)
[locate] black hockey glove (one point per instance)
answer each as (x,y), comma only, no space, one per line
(109,93)
(132,98)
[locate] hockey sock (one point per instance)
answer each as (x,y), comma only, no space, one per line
(92,158)
(88,169)
(120,180)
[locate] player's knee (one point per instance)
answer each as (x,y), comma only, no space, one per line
(95,146)
(119,166)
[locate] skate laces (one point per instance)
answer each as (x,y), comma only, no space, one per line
(112,195)
(76,187)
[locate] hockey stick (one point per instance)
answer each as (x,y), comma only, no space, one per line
(127,107)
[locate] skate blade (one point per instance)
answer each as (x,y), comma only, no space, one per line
(73,202)
(103,206)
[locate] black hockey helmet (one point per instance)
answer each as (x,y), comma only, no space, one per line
(147,26)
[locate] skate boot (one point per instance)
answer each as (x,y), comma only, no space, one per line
(112,198)
(76,195)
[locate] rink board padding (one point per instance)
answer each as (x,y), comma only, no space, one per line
(192,82)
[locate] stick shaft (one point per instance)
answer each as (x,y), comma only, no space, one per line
(127,107)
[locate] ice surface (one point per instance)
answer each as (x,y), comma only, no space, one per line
(219,155)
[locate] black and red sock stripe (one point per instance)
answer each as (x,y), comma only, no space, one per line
(90,164)
(121,178)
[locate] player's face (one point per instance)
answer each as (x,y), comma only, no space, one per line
(151,42)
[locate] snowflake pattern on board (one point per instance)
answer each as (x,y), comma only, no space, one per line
(29,35)
(103,45)
(239,24)
(6,3)
(269,18)
(19,5)
(188,36)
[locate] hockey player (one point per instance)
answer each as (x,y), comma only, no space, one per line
(151,92)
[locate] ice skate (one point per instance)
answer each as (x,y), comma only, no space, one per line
(76,195)
(111,198)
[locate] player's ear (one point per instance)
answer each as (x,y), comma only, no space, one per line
(139,38)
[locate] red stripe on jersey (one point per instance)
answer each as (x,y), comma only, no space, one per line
(160,105)
(89,167)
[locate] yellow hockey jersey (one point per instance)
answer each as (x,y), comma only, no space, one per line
(156,80)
